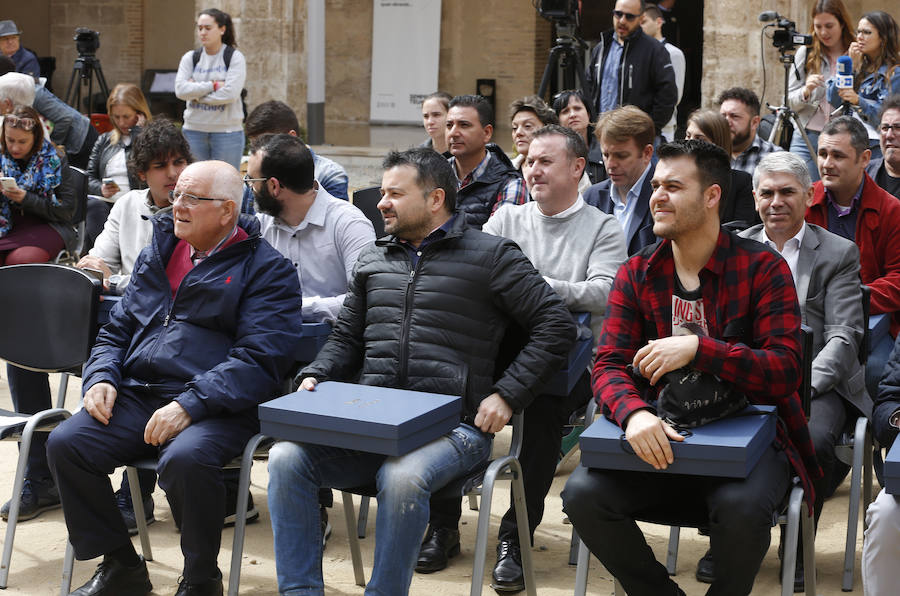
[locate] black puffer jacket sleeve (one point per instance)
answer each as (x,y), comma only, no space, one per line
(888,399)
(65,196)
(95,182)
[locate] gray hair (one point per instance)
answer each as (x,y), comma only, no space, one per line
(227,184)
(783,162)
(17,88)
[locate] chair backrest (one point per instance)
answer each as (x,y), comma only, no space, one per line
(864,346)
(78,180)
(806,351)
(51,314)
(366,199)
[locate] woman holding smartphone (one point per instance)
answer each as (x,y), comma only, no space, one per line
(210,80)
(107,171)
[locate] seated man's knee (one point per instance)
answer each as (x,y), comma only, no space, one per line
(61,441)
(285,457)
(734,506)
(181,461)
(585,493)
(883,518)
(397,478)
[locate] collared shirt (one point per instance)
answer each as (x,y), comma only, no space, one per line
(749,159)
(323,249)
(197,256)
(609,86)
(842,220)
(439,232)
(513,193)
(624,210)
(791,249)
(754,331)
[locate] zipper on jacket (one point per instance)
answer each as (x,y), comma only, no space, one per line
(622,73)
(405,323)
(630,72)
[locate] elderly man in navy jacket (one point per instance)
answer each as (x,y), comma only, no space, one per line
(206,330)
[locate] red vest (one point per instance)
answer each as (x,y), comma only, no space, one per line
(180,262)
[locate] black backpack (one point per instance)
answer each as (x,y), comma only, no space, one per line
(229,52)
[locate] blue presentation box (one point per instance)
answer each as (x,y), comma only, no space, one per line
(892,469)
(579,359)
(361,417)
(314,337)
(730,447)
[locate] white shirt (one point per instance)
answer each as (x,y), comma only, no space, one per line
(323,249)
(791,250)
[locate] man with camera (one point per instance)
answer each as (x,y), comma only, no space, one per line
(628,67)
(740,107)
(744,330)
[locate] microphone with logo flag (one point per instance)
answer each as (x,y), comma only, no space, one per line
(843,79)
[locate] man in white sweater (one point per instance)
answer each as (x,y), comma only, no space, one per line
(578,250)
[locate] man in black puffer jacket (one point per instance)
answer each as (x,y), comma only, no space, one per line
(426,310)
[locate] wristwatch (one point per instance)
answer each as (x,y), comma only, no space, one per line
(894,420)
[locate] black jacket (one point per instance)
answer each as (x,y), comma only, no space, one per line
(737,204)
(646,76)
(476,200)
(61,215)
(438,327)
(100,155)
(887,400)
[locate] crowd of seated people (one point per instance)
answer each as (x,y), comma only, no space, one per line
(597,211)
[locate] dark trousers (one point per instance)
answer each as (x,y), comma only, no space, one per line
(541,439)
(603,506)
(30,392)
(828,418)
(82,452)
(95,219)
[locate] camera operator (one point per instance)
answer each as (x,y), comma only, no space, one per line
(831,37)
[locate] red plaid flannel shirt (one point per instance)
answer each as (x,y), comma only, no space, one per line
(750,303)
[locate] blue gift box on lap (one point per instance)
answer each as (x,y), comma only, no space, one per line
(892,469)
(361,417)
(579,359)
(729,447)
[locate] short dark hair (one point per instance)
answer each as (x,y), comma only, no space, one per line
(891,103)
(271,117)
(713,164)
(481,105)
(859,137)
(286,158)
(743,95)
(561,100)
(159,139)
(536,105)
(652,11)
(432,171)
(575,146)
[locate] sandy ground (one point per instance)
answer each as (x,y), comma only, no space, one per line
(40,543)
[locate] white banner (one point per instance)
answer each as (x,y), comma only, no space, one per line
(406,41)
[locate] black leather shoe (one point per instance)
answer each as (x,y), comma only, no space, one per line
(211,587)
(507,575)
(440,545)
(706,572)
(112,579)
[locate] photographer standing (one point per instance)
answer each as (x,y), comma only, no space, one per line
(832,36)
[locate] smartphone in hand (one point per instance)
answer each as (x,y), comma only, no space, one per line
(111,182)
(8,183)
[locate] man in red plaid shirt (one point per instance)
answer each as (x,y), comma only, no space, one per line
(706,298)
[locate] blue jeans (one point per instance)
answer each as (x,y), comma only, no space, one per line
(799,148)
(224,146)
(405,483)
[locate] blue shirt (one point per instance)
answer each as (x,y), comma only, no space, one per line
(842,220)
(624,210)
(436,234)
(609,86)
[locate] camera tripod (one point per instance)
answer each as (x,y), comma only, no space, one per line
(784,115)
(85,69)
(566,62)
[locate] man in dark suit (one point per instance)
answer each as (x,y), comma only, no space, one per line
(825,267)
(626,139)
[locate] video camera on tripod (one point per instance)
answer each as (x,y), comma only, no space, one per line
(785,37)
(86,69)
(565,66)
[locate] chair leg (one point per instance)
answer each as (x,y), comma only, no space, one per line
(363,517)
(809,551)
(518,490)
(61,392)
(473,500)
(240,525)
(859,448)
(581,571)
(789,562)
(140,516)
(868,467)
(355,554)
(573,548)
(672,550)
(68,565)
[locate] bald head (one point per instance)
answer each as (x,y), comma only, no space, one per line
(198,220)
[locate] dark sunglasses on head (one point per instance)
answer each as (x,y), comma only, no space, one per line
(19,122)
(625,15)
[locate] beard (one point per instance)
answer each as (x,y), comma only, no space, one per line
(741,137)
(266,203)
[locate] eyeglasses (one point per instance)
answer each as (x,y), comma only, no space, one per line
(625,15)
(188,199)
(19,122)
(248,180)
(886,128)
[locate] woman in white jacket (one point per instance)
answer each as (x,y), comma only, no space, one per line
(832,35)
(210,80)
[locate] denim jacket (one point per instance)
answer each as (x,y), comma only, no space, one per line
(873,90)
